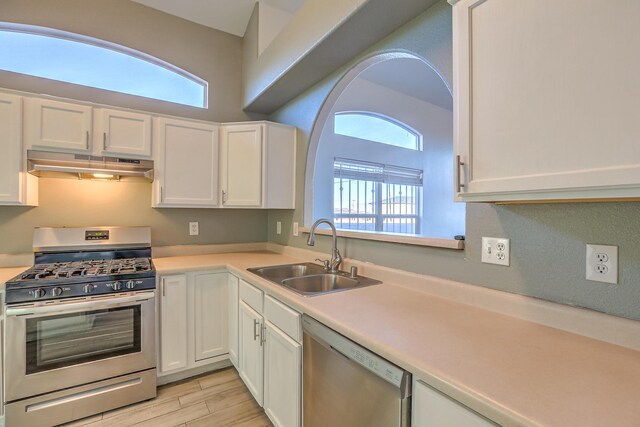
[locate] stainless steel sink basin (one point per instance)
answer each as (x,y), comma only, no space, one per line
(310,279)
(277,273)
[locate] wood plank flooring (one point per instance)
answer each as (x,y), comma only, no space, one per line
(212,400)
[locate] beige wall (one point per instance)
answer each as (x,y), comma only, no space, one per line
(76,203)
(213,55)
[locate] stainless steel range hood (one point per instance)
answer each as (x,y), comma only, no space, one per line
(44,163)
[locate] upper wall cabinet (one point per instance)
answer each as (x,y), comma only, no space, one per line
(257,165)
(186,167)
(56,125)
(123,133)
(11,148)
(547,100)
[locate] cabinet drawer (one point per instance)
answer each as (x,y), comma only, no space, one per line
(285,318)
(251,295)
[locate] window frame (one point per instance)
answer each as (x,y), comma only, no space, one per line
(104,44)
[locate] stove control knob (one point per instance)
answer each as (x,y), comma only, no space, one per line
(131,284)
(56,292)
(89,288)
(116,286)
(39,293)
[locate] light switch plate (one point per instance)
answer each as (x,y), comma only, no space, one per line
(194,229)
(496,251)
(602,263)
(278,227)
(295,229)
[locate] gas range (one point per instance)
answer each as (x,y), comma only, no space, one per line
(80,324)
(97,268)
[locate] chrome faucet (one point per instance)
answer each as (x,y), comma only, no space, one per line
(336,258)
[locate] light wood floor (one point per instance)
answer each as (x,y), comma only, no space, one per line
(211,400)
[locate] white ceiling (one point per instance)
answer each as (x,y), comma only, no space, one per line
(411,77)
(231,16)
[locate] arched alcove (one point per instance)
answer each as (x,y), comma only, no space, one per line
(376,183)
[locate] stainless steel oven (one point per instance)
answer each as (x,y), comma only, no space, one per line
(63,351)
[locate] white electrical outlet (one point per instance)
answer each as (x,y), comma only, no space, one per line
(278,227)
(194,229)
(495,251)
(602,263)
(296,232)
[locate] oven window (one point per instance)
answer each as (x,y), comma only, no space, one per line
(70,339)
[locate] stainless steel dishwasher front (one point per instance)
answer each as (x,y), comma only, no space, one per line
(347,385)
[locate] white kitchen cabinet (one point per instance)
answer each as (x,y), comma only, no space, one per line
(250,350)
(257,165)
(547,109)
(123,133)
(282,377)
(12,179)
(174,312)
(193,320)
(430,408)
(233,319)
(210,301)
(57,126)
(186,168)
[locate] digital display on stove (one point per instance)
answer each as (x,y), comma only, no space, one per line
(96,235)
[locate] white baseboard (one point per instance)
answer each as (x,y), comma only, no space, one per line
(182,375)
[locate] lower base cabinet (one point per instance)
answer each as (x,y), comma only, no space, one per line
(193,320)
(430,408)
(282,377)
(270,353)
(251,355)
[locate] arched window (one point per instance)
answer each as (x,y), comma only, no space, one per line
(378,128)
(73,58)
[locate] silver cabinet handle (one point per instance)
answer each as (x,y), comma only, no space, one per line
(87,140)
(164,293)
(104,141)
(459,165)
(255,324)
(263,334)
(161,195)
(224,197)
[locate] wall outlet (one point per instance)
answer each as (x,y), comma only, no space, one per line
(496,251)
(194,229)
(279,227)
(296,232)
(602,263)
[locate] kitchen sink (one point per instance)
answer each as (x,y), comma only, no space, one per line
(310,279)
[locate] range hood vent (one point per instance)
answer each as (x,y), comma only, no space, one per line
(44,163)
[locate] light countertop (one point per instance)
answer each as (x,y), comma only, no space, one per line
(513,371)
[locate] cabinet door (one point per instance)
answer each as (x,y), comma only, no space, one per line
(241,165)
(173,323)
(124,133)
(211,315)
(233,319)
(251,355)
(57,125)
(187,166)
(282,378)
(433,409)
(11,148)
(547,114)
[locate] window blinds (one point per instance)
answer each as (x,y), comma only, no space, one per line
(377,172)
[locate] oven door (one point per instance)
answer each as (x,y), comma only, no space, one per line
(70,343)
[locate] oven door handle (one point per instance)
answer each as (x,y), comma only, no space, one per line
(66,307)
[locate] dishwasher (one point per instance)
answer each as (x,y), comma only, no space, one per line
(347,385)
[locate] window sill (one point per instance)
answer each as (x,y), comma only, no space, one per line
(393,238)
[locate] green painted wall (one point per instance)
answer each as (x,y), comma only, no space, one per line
(548,240)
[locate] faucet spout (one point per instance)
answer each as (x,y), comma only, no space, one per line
(336,258)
